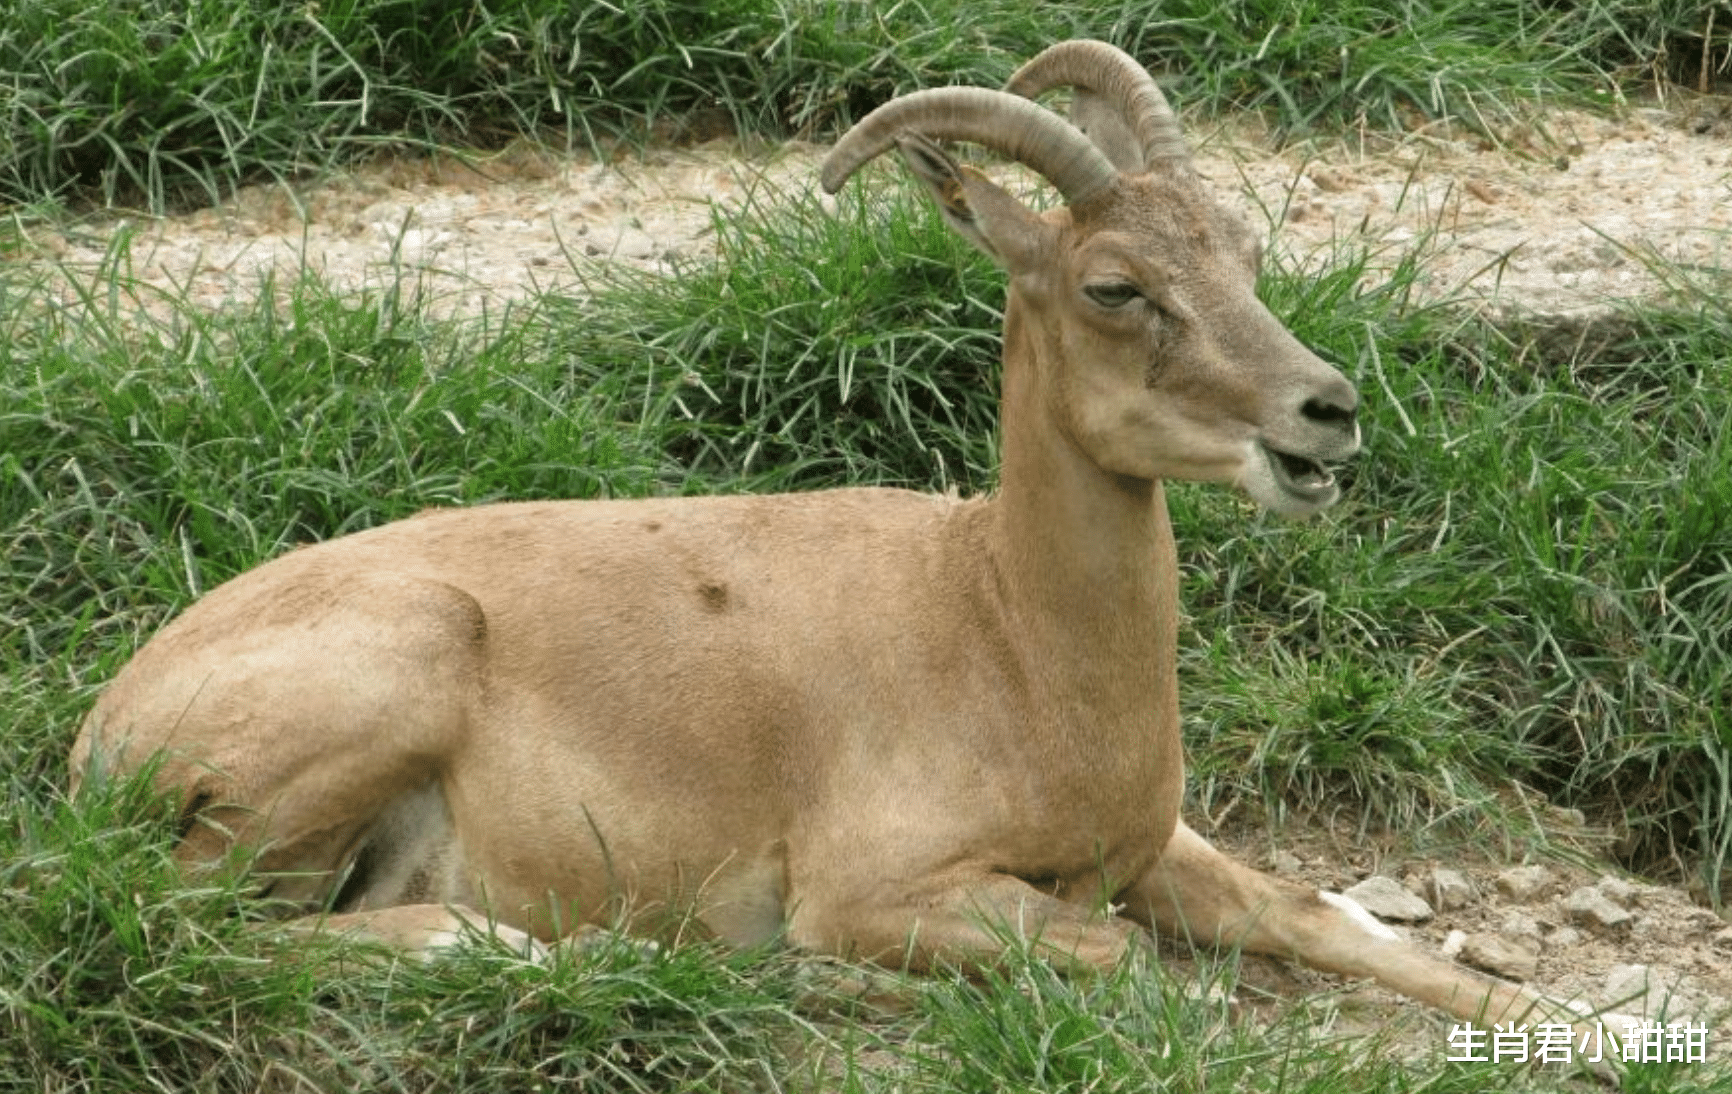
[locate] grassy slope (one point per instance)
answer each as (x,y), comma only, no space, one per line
(1531,579)
(154,102)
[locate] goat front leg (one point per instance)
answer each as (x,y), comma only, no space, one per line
(1196,892)
(963,919)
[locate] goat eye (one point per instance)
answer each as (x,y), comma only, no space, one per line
(1112,294)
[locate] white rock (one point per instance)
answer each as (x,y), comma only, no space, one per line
(1626,985)
(1590,908)
(1452,944)
(1650,992)
(1385,898)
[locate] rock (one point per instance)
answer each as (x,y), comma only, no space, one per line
(1525,883)
(1505,957)
(1618,891)
(626,243)
(1626,985)
(1723,939)
(1647,991)
(1450,889)
(1590,908)
(1385,898)
(1452,944)
(1564,937)
(1523,928)
(1329,179)
(1285,863)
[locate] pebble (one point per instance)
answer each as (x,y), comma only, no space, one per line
(1618,891)
(1500,956)
(1590,908)
(1385,898)
(1450,889)
(1525,883)
(1523,928)
(1626,985)
(1452,944)
(625,243)
(1651,992)
(1564,937)
(1285,863)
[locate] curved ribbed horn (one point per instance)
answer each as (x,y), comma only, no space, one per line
(1115,76)
(1011,126)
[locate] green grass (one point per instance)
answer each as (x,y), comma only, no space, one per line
(1536,544)
(156,103)
(1529,584)
(124,977)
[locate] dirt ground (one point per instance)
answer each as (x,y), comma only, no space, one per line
(1557,218)
(1669,961)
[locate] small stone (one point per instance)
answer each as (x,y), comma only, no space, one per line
(1564,937)
(1285,863)
(1385,898)
(626,243)
(1328,179)
(1618,891)
(1452,944)
(1500,956)
(1525,883)
(1723,939)
(1522,928)
(1651,992)
(1450,889)
(1589,907)
(1626,986)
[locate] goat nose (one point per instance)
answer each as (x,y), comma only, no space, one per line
(1329,411)
(1332,402)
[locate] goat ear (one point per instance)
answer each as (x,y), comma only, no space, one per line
(975,207)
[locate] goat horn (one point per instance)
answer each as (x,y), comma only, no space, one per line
(1115,76)
(1015,127)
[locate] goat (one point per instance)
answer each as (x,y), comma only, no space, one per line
(875,722)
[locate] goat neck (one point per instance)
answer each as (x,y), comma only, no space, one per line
(1073,543)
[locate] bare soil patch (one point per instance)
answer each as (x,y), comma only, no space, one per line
(1678,949)
(1563,217)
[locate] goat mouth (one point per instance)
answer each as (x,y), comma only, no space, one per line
(1299,475)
